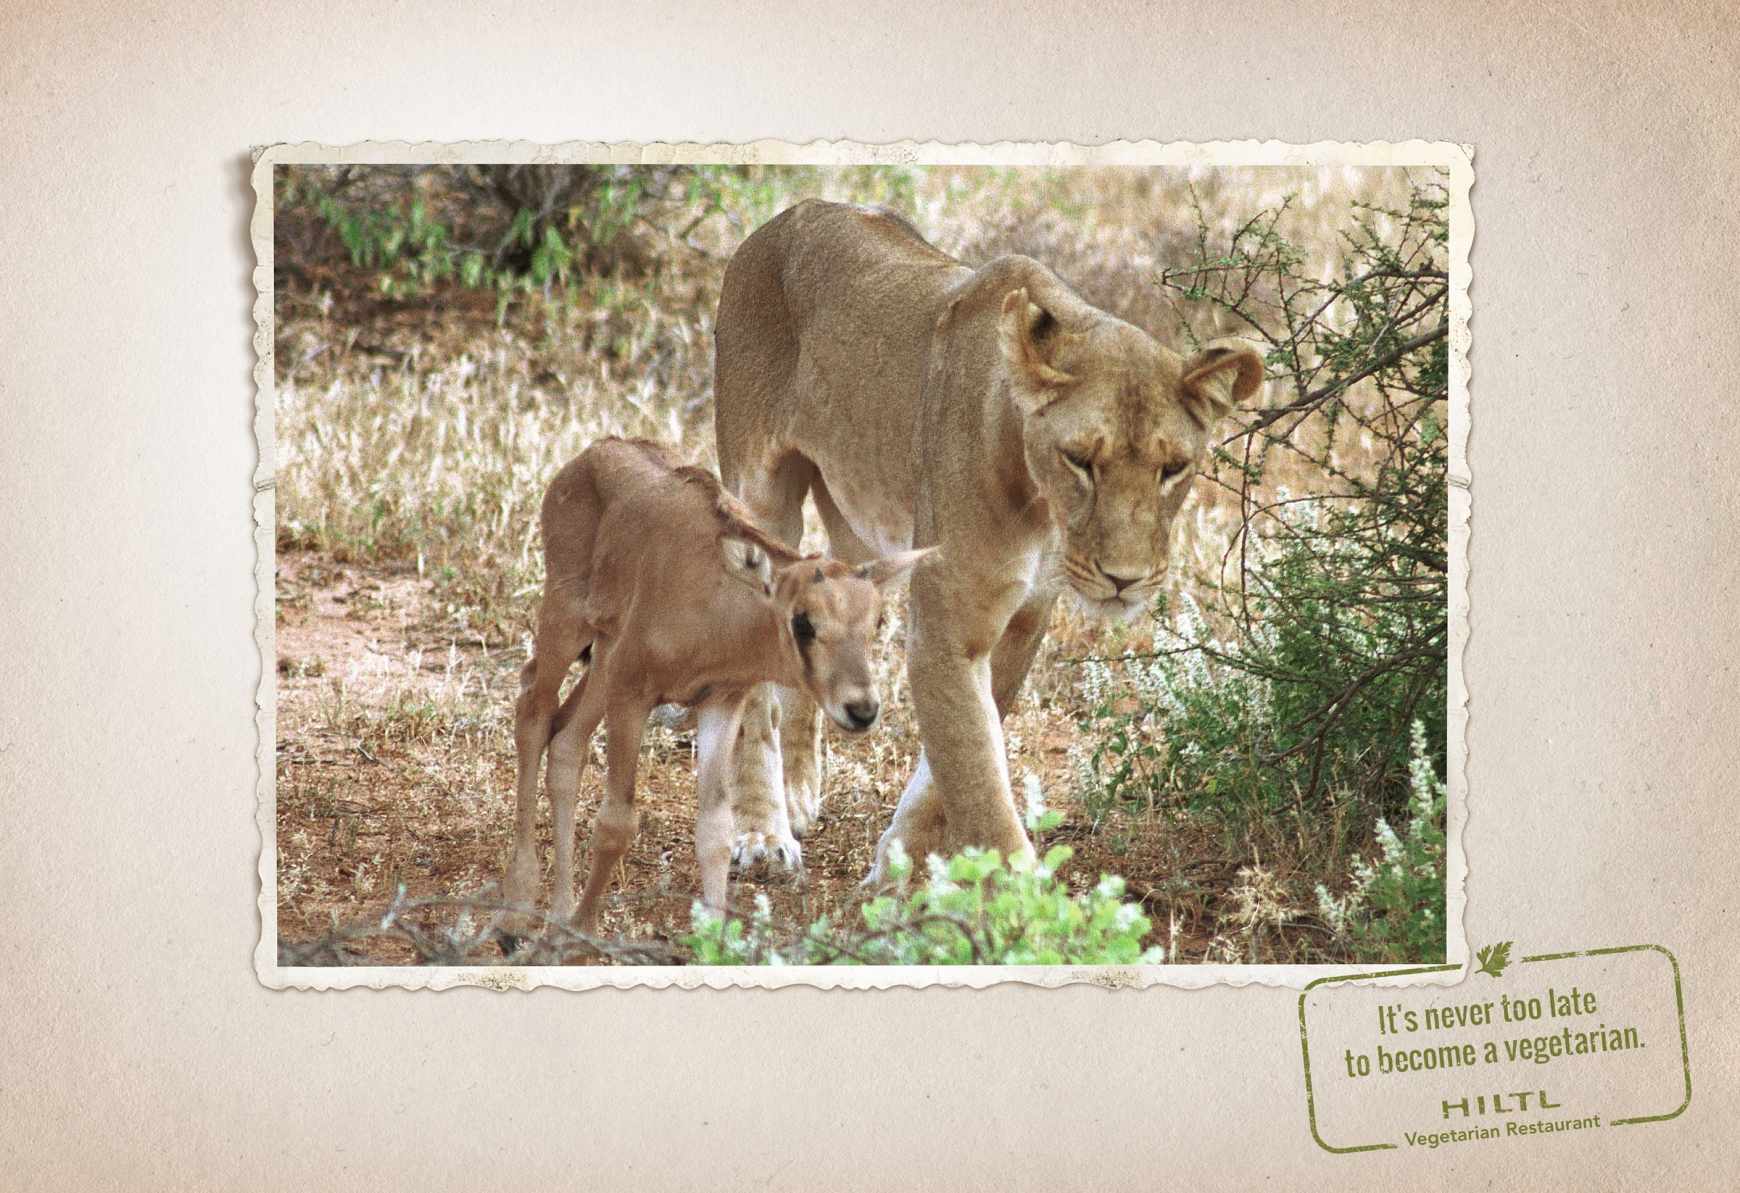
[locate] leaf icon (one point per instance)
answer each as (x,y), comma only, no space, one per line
(1494,957)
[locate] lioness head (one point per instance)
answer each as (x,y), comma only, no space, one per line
(828,614)
(1114,428)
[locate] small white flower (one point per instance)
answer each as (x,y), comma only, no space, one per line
(1035,796)
(1392,847)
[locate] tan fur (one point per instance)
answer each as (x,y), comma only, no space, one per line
(923,401)
(660,580)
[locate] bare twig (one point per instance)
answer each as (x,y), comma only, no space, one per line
(1324,392)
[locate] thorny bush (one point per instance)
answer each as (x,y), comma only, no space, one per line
(1289,699)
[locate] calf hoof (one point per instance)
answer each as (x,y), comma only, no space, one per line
(778,854)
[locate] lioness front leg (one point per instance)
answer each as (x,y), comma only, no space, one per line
(758,801)
(919,823)
(960,794)
(802,756)
(963,742)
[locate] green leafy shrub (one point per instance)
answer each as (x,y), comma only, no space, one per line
(1339,645)
(407,248)
(514,228)
(1395,909)
(975,908)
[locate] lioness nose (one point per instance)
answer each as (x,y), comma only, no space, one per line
(1119,583)
(862,713)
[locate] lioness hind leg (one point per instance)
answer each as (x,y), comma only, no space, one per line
(918,826)
(1014,653)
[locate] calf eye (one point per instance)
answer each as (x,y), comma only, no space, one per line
(801,629)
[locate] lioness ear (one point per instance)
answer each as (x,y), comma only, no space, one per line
(1220,378)
(1029,337)
(747,562)
(890,568)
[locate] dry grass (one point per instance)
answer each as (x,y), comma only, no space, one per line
(414,441)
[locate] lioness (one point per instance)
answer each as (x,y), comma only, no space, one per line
(992,412)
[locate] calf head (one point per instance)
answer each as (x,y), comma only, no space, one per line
(828,613)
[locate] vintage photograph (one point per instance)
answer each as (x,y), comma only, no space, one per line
(880,564)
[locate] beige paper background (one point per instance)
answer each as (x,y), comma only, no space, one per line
(137,1049)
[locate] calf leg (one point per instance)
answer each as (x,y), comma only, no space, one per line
(618,819)
(716,741)
(569,749)
(560,640)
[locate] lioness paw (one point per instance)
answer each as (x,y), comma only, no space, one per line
(776,852)
(803,806)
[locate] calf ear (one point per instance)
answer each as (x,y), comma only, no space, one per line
(1029,336)
(748,562)
(1219,379)
(891,568)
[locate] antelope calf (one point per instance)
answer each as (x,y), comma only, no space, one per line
(657,579)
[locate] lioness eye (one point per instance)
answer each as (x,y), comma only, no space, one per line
(801,629)
(1077,461)
(1171,470)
